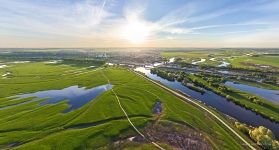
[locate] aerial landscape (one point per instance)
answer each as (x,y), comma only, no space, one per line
(143,75)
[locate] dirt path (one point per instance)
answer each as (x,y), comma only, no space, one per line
(123,110)
(199,105)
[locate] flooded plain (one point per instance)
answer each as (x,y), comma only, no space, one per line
(75,96)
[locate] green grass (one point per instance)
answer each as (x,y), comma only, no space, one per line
(249,62)
(46,127)
(238,58)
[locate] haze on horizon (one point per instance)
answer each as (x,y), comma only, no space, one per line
(139,23)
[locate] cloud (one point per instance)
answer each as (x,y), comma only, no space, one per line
(76,19)
(103,20)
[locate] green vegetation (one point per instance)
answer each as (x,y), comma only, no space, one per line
(248,59)
(247,100)
(242,127)
(179,76)
(261,135)
(216,84)
(164,74)
(264,138)
(98,124)
(257,61)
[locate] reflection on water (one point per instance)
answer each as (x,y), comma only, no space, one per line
(75,96)
(272,95)
(218,102)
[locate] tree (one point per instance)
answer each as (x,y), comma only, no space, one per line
(264,137)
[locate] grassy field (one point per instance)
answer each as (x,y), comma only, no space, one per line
(237,58)
(99,123)
(212,57)
(255,62)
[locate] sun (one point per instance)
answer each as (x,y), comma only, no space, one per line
(136,32)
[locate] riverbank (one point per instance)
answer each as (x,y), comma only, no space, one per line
(255,103)
(218,102)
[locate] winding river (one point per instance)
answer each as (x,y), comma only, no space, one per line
(218,102)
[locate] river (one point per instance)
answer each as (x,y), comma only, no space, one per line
(271,95)
(220,103)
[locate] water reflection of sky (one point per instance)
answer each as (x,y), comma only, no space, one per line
(271,95)
(75,96)
(218,102)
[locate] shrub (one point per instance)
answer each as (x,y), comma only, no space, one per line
(264,137)
(242,127)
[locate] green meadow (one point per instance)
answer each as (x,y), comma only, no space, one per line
(251,62)
(25,124)
(237,58)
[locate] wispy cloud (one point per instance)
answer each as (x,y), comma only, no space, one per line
(93,21)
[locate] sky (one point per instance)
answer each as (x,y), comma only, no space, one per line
(139,23)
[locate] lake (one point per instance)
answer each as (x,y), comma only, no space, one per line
(76,96)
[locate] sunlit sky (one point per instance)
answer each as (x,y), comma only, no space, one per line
(139,23)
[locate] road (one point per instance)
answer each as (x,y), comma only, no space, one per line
(200,106)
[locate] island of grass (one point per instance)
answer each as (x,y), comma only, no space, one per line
(100,123)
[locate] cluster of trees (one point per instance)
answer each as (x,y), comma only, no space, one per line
(242,127)
(83,62)
(215,84)
(179,76)
(264,137)
(223,88)
(261,135)
(254,99)
(198,83)
(163,74)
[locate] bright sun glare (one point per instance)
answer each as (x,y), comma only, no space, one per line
(136,32)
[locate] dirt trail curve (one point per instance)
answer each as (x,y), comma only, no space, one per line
(199,105)
(119,103)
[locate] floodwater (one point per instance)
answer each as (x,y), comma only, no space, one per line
(75,96)
(171,60)
(3,66)
(224,64)
(196,62)
(220,103)
(271,95)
